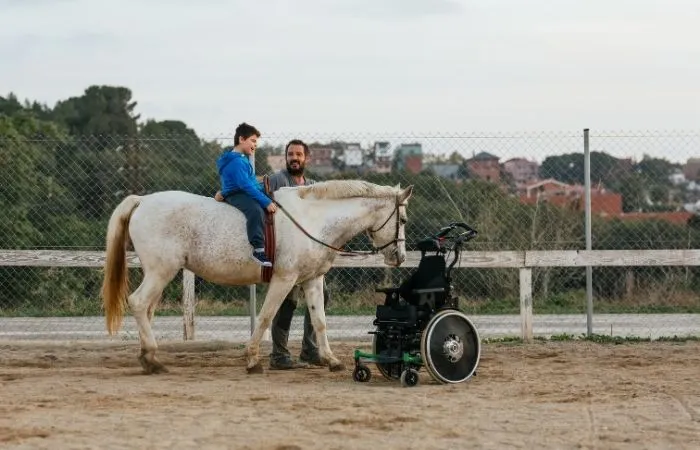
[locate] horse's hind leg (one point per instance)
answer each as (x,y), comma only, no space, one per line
(313,293)
(143,303)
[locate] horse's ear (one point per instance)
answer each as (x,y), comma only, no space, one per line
(406,194)
(398,186)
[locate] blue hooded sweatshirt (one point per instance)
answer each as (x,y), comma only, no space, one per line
(236,174)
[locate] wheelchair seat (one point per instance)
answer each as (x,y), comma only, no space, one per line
(417,298)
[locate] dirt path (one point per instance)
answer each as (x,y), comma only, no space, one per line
(546,395)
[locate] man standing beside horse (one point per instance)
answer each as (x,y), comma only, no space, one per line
(296,154)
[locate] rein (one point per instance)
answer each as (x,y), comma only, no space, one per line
(374,250)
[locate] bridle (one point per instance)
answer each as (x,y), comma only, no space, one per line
(374,250)
(396,239)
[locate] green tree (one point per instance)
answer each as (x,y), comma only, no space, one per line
(102,111)
(24,183)
(38,211)
(103,126)
(569,168)
(10,105)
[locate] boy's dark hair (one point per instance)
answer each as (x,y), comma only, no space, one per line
(296,142)
(244,131)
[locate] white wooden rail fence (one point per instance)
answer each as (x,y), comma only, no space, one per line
(524,261)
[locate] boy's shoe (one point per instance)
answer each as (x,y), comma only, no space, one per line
(260,258)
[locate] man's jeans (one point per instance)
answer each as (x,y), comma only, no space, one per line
(283,322)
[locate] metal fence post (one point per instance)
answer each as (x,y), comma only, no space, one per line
(589,269)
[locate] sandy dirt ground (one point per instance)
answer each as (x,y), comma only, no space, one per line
(544,395)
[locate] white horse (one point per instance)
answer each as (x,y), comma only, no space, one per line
(173,230)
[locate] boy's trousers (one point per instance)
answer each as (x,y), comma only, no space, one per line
(254,215)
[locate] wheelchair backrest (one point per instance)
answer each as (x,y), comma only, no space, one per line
(430,273)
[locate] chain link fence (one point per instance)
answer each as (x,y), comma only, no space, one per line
(521,191)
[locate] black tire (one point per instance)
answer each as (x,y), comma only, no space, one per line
(409,378)
(361,374)
(450,347)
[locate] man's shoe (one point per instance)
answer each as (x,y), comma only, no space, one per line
(286,364)
(312,359)
(261,259)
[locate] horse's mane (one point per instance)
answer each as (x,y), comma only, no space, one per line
(339,189)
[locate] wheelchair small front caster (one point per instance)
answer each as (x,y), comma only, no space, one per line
(361,374)
(409,378)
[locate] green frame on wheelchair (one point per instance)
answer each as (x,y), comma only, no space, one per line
(407,358)
(409,376)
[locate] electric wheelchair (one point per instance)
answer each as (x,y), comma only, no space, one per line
(420,324)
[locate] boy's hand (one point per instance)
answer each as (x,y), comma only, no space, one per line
(218,197)
(271,208)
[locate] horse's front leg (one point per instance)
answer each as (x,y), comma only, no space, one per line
(313,293)
(276,293)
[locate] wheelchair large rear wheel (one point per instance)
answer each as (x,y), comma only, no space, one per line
(450,347)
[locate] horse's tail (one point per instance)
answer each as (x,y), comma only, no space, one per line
(115,285)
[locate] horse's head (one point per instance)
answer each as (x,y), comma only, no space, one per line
(387,232)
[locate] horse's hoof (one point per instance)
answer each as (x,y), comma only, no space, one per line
(336,367)
(151,367)
(145,365)
(159,368)
(257,368)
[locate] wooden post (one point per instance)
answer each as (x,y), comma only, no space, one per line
(526,303)
(188,304)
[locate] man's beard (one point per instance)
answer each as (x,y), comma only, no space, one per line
(296,172)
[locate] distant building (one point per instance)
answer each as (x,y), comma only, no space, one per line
(320,160)
(522,170)
(691,170)
(277,162)
(550,186)
(677,177)
(409,157)
(353,155)
(449,171)
(555,192)
(382,157)
(484,166)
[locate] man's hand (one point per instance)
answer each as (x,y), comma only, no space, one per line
(218,197)
(271,208)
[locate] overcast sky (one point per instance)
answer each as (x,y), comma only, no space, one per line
(368,66)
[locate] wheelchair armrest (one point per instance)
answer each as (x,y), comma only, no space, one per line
(427,290)
(387,290)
